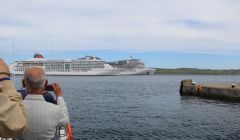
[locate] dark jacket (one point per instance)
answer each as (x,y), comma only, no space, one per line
(47,96)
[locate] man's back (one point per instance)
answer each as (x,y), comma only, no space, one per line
(43,118)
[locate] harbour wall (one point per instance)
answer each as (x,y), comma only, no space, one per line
(227,92)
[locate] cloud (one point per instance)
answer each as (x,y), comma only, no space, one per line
(134,25)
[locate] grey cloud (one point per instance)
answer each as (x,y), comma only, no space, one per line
(123,24)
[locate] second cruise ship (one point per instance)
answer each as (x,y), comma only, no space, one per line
(132,67)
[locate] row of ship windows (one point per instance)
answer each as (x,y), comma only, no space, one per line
(58,70)
(60,67)
(63,65)
(20,69)
(77,65)
(74,67)
(50,64)
(83,70)
(87,67)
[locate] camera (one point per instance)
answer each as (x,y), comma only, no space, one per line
(49,87)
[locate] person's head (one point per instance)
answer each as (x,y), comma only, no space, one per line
(34,80)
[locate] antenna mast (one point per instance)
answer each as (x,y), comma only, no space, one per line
(52,44)
(13,70)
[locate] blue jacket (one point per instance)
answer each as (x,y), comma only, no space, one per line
(47,96)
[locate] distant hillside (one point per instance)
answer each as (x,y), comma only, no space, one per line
(182,71)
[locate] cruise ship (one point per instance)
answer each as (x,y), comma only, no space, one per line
(88,65)
(132,67)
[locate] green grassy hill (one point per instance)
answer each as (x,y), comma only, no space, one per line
(193,71)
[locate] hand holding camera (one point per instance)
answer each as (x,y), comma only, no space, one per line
(57,89)
(49,87)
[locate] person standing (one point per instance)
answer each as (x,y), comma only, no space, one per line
(43,117)
(13,120)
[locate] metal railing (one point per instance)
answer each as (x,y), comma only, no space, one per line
(6,138)
(60,134)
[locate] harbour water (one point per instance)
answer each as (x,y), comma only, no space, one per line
(146,107)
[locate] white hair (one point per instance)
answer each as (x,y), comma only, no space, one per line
(34,81)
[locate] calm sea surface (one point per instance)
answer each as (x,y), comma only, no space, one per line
(146,107)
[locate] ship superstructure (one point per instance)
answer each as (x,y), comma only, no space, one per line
(88,65)
(132,67)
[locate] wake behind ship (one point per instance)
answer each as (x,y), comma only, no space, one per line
(88,65)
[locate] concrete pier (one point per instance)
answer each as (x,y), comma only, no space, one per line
(228,92)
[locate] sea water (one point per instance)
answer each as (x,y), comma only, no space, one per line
(146,107)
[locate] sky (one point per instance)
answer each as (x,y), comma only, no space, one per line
(164,33)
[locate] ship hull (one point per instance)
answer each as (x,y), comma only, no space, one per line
(88,73)
(137,72)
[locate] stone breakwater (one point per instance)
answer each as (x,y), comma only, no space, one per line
(227,92)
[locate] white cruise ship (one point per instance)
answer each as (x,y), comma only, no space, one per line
(132,67)
(88,65)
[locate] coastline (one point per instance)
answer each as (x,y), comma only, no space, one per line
(195,71)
